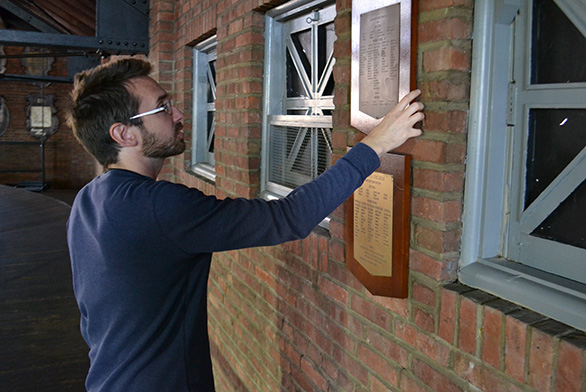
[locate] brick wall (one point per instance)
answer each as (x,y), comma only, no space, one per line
(292,317)
(67,164)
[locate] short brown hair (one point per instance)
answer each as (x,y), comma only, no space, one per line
(101,98)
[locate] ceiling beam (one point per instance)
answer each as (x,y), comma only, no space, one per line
(28,17)
(110,45)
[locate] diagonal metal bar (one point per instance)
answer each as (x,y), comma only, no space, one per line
(326,138)
(299,67)
(211,80)
(560,188)
(211,136)
(325,77)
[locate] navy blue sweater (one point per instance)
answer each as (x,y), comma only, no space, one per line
(140,253)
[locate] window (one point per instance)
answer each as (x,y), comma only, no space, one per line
(204,108)
(525,201)
(298,91)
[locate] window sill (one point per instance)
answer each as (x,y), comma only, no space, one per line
(322,227)
(206,172)
(559,298)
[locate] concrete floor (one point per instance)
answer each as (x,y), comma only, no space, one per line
(41,347)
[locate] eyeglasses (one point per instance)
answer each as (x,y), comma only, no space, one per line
(167,107)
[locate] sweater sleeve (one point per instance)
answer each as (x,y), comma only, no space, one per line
(197,223)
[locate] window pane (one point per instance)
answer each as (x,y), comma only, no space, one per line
(298,154)
(302,46)
(210,138)
(294,84)
(302,43)
(326,37)
(566,223)
(556,136)
(329,90)
(211,81)
(558,48)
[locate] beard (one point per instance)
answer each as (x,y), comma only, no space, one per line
(156,147)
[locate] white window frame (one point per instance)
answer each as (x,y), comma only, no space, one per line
(275,103)
(487,188)
(202,161)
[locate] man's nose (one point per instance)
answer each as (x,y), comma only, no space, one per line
(177,115)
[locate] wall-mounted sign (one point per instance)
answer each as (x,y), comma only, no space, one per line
(383,47)
(4,116)
(377,228)
(373,224)
(38,66)
(41,116)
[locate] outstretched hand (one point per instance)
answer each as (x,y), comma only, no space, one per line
(397,126)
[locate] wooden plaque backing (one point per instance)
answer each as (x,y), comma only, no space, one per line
(399,166)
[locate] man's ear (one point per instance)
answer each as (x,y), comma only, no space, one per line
(124,135)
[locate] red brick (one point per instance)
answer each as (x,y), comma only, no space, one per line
(301,379)
(423,294)
(423,343)
(440,270)
(438,181)
(337,229)
(342,48)
(423,319)
(378,364)
(447,321)
(410,385)
(310,372)
(492,337)
(445,122)
(340,273)
(435,380)
(398,306)
(351,365)
(436,210)
(437,240)
(467,326)
(425,6)
(338,335)
(570,368)
(446,59)
(446,90)
(389,348)
(334,291)
(424,150)
(342,74)
(337,251)
(482,377)
(443,29)
(376,385)
(540,360)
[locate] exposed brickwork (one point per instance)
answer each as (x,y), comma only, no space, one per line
(292,317)
(67,165)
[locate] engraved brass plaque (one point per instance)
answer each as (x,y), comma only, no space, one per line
(373,224)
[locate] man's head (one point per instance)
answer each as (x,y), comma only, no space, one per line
(104,100)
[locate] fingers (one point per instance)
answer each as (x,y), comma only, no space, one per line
(398,125)
(407,99)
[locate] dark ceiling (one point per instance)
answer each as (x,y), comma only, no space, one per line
(75,28)
(74,17)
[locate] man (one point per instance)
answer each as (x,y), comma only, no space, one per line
(141,249)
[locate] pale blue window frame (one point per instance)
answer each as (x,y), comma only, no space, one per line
(488,190)
(204,108)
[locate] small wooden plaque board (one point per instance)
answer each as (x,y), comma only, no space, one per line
(396,285)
